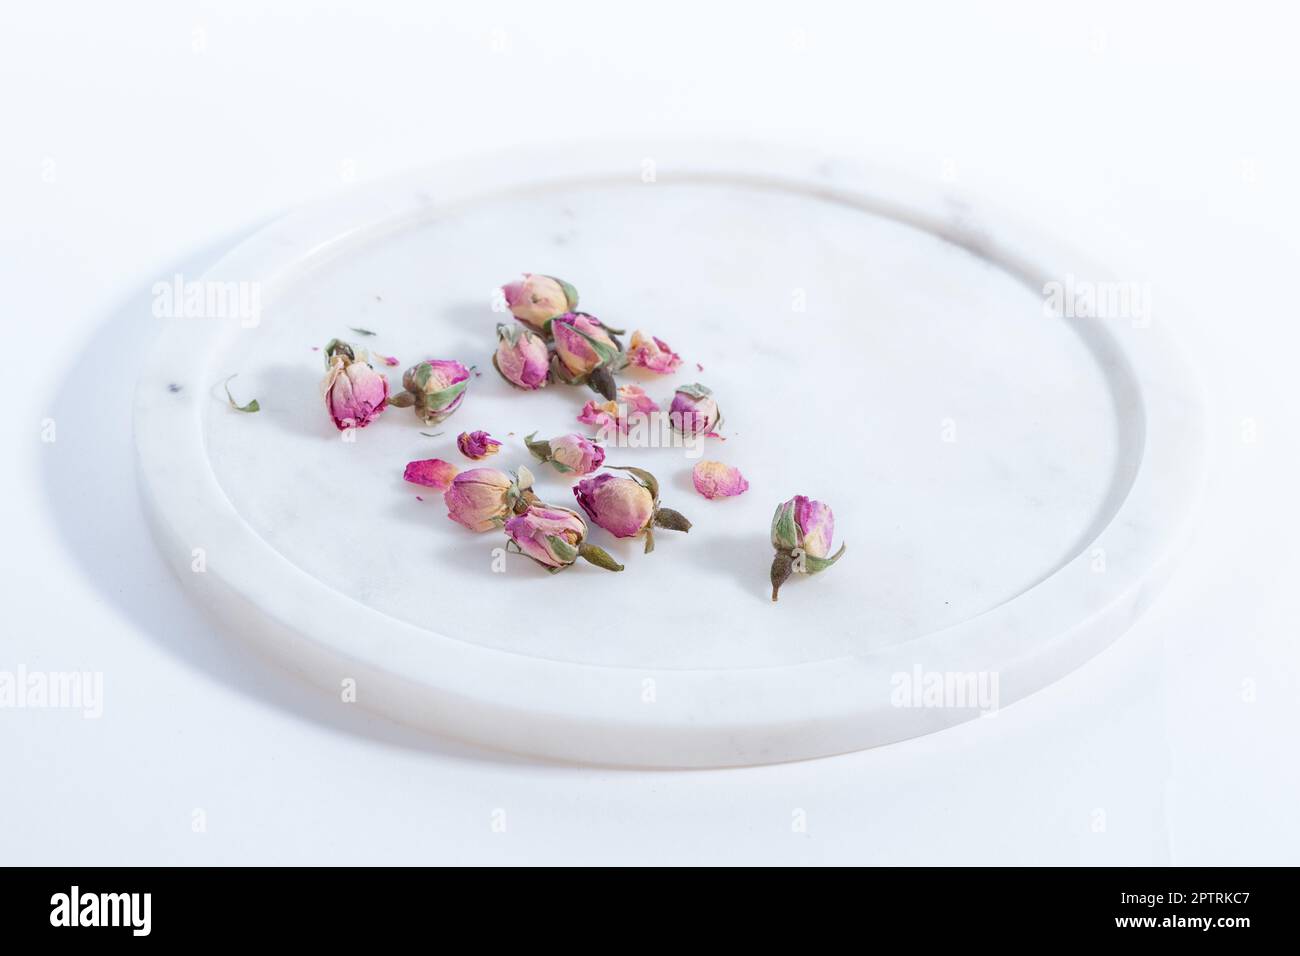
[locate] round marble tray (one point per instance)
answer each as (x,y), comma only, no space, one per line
(1010,483)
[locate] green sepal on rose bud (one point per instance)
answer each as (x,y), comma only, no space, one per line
(541,450)
(672,520)
(599,557)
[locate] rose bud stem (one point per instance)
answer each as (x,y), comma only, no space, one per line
(601,381)
(599,557)
(672,520)
(782,565)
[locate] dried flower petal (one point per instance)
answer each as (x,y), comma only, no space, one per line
(602,415)
(431,472)
(635,398)
(713,479)
(652,354)
(613,416)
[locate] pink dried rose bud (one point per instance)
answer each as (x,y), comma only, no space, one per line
(355,394)
(477,445)
(693,411)
(481,499)
(802,532)
(434,388)
(555,538)
(652,354)
(713,479)
(522,357)
(431,472)
(570,454)
(586,353)
(628,507)
(536,299)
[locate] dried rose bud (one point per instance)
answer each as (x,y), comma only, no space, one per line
(555,537)
(628,507)
(483,498)
(570,454)
(434,388)
(522,357)
(477,445)
(431,472)
(713,479)
(586,352)
(535,299)
(693,411)
(802,532)
(355,394)
(653,354)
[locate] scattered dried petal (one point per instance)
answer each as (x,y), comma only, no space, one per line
(652,354)
(713,479)
(431,472)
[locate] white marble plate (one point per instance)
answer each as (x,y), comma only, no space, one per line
(1010,484)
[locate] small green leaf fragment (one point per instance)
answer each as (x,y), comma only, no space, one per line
(251,407)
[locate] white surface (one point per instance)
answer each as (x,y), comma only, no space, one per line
(1104,123)
(1075,443)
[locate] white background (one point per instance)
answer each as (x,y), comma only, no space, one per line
(144,139)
